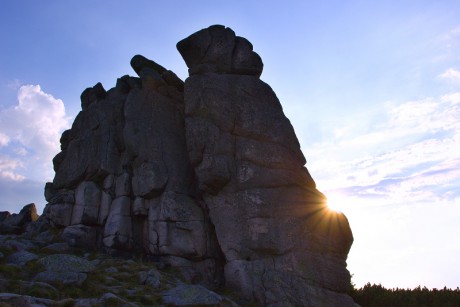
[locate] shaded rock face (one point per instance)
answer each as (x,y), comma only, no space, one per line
(123,178)
(17,223)
(207,175)
(280,243)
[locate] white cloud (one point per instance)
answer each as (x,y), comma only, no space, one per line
(8,168)
(4,139)
(411,155)
(30,134)
(450,74)
(12,176)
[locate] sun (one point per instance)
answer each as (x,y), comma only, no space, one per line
(336,203)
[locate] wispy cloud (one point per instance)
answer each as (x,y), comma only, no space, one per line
(8,168)
(412,154)
(4,139)
(451,74)
(30,132)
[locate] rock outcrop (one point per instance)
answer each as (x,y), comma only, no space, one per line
(207,176)
(17,223)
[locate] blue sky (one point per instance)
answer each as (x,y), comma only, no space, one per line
(372,90)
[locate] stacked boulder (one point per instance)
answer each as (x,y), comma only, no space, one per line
(207,176)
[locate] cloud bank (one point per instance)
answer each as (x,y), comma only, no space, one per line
(412,154)
(29,139)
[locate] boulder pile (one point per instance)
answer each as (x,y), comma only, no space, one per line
(204,175)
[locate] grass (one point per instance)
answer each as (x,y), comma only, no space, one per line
(123,282)
(10,271)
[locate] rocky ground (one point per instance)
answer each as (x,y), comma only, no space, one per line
(45,271)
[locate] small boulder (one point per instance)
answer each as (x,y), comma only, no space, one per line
(151,277)
(66,263)
(21,258)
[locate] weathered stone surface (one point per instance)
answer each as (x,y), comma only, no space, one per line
(206,176)
(186,295)
(58,247)
(123,185)
(58,278)
(66,263)
(126,163)
(60,214)
(81,236)
(87,203)
(17,223)
(104,209)
(11,299)
(269,218)
(142,65)
(218,49)
(25,286)
(151,277)
(91,149)
(118,229)
(180,225)
(92,95)
(63,269)
(4,215)
(21,258)
(16,243)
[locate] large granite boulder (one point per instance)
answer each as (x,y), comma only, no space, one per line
(206,176)
(281,244)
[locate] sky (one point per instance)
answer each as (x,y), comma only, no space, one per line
(372,89)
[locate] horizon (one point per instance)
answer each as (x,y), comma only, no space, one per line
(372,91)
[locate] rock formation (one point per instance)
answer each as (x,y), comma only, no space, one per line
(206,176)
(17,223)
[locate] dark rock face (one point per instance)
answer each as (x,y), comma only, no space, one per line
(217,49)
(281,244)
(123,180)
(17,223)
(208,176)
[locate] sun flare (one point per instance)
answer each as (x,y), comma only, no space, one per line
(336,203)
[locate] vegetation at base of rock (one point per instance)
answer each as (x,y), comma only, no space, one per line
(110,281)
(379,296)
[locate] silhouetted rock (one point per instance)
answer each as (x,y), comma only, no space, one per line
(17,223)
(281,243)
(217,49)
(123,178)
(206,176)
